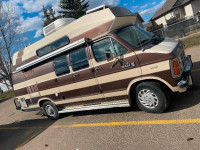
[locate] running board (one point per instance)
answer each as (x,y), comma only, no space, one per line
(94,107)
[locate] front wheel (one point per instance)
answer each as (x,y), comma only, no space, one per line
(150,97)
(50,110)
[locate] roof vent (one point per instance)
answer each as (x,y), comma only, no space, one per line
(56,25)
(98,8)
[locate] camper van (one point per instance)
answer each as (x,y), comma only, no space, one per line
(101,60)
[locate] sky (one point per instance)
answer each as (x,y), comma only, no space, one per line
(31,15)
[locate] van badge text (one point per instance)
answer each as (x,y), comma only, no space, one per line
(128,65)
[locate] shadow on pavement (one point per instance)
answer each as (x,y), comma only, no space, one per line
(12,137)
(5,99)
(190,98)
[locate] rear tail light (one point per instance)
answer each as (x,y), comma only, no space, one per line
(175,68)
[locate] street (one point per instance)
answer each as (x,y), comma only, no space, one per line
(110,129)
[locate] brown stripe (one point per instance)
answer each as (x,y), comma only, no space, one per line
(21,92)
(166,75)
(95,32)
(18,64)
(37,71)
(20,53)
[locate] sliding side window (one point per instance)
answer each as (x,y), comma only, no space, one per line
(61,66)
(79,59)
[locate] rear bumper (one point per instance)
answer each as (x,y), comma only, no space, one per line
(22,105)
(186,78)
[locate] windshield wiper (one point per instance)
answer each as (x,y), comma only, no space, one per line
(144,41)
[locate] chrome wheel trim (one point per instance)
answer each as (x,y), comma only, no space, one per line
(50,110)
(147,98)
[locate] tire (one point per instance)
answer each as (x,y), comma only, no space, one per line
(151,98)
(50,110)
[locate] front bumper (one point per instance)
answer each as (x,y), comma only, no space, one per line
(186,77)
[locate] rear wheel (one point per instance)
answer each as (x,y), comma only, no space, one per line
(150,97)
(50,110)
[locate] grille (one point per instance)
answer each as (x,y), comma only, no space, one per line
(182,60)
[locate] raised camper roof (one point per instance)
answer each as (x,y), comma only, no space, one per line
(96,23)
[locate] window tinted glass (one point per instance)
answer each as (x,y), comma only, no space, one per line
(101,46)
(119,49)
(79,59)
(61,42)
(44,50)
(61,65)
(135,36)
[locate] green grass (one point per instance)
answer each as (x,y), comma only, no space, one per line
(191,41)
(7,94)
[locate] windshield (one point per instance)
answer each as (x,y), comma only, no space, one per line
(134,35)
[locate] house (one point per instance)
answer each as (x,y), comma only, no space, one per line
(175,10)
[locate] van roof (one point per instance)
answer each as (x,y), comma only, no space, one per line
(92,26)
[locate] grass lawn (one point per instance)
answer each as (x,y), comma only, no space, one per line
(7,94)
(191,41)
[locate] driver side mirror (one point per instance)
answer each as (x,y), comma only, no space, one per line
(108,54)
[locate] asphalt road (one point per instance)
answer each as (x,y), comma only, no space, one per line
(111,129)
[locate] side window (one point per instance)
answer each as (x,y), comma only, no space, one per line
(79,59)
(59,43)
(99,48)
(61,65)
(106,44)
(119,49)
(44,50)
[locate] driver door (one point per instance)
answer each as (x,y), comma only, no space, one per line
(114,76)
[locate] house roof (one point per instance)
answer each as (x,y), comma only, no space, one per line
(149,24)
(169,5)
(139,16)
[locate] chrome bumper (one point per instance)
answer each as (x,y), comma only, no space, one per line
(186,77)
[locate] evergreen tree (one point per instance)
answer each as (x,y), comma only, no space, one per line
(49,15)
(52,13)
(73,8)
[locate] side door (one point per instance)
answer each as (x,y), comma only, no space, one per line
(114,76)
(84,77)
(68,91)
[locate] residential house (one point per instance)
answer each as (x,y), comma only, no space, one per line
(175,10)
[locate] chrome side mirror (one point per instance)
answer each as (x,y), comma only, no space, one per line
(108,54)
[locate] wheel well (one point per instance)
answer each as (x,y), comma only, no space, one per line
(42,102)
(132,99)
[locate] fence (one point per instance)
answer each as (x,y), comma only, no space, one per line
(180,29)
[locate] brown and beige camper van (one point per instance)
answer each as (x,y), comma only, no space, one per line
(101,60)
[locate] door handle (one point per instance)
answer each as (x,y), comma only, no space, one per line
(76,75)
(97,69)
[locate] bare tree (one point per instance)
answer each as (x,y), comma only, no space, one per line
(10,39)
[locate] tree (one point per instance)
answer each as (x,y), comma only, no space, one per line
(73,8)
(10,40)
(49,15)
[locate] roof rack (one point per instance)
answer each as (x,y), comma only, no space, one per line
(98,8)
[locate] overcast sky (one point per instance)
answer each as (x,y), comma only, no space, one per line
(30,12)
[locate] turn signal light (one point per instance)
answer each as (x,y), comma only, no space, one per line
(175,68)
(176,71)
(175,64)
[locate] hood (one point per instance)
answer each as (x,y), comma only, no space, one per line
(165,47)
